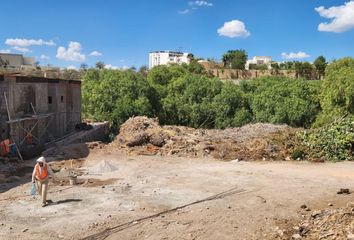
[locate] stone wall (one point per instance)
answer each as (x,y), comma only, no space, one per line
(248,74)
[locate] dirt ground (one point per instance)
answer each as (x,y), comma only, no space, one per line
(155,197)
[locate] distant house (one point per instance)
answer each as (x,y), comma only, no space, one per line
(259,60)
(16,60)
(157,58)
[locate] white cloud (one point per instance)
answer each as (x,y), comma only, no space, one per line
(200,3)
(71,67)
(110,66)
(342,18)
(22,42)
(95,54)
(44,57)
(185,11)
(5,50)
(298,55)
(194,5)
(21,49)
(234,29)
(73,53)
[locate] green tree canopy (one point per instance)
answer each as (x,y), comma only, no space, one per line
(304,70)
(100,65)
(320,65)
(235,59)
(337,92)
(284,100)
(115,95)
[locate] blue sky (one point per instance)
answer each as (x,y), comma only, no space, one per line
(122,33)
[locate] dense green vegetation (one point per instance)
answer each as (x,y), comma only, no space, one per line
(187,95)
(284,100)
(337,92)
(112,95)
(333,137)
(334,141)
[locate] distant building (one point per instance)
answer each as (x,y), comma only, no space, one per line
(167,57)
(259,60)
(16,60)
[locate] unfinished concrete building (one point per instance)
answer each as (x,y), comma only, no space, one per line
(37,110)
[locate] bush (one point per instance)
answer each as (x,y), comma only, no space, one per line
(337,91)
(333,142)
(284,100)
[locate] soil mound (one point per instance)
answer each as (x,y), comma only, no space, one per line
(143,135)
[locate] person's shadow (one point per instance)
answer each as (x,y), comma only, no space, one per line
(50,202)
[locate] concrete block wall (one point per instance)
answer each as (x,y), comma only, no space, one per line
(60,97)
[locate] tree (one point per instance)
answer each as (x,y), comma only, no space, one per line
(232,107)
(285,100)
(195,67)
(235,59)
(337,91)
(190,56)
(320,65)
(115,95)
(100,65)
(83,67)
(304,70)
(189,101)
(275,66)
(143,70)
(287,65)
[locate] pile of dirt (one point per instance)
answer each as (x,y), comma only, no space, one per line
(142,130)
(144,136)
(328,224)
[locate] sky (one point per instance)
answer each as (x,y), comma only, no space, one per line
(121,34)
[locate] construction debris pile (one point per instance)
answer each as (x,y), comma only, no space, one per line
(144,136)
(328,224)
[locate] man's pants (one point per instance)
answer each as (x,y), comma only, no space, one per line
(42,187)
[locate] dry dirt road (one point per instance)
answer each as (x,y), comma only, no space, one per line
(232,200)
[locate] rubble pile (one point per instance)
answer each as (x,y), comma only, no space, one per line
(328,224)
(145,136)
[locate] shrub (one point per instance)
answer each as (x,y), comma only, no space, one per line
(284,100)
(337,91)
(333,142)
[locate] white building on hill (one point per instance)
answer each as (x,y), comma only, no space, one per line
(167,57)
(16,60)
(259,60)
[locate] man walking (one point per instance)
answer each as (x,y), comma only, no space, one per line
(41,173)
